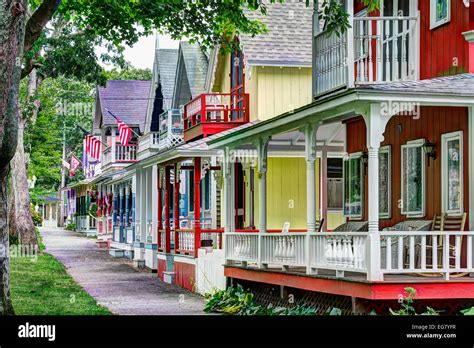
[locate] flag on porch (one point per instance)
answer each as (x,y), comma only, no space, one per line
(75,163)
(125,132)
(95,148)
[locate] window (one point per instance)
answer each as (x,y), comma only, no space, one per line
(440,12)
(452,172)
(413,179)
(334,183)
(191,190)
(353,186)
(385,187)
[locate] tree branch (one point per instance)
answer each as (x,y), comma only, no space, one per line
(38,21)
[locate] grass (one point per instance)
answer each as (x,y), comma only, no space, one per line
(43,287)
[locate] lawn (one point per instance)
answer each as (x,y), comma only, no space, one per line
(43,287)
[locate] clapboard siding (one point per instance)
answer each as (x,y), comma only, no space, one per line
(433,122)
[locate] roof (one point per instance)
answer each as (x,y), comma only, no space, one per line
(196,64)
(288,41)
(127,99)
(460,85)
(167,60)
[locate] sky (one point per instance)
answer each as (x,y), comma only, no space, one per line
(141,55)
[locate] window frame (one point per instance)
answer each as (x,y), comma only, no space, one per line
(414,144)
(388,150)
(437,23)
(357,217)
(445,138)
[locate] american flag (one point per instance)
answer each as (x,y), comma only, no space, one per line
(124,132)
(95,147)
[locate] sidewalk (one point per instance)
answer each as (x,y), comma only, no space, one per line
(114,283)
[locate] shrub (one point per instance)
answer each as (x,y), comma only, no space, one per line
(407,307)
(237,301)
(37,218)
(71,226)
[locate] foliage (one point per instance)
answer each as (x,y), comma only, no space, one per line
(129,73)
(407,305)
(237,301)
(468,311)
(37,218)
(39,238)
(71,226)
(93,210)
(43,287)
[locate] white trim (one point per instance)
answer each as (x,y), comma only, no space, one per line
(387,149)
(355,155)
(435,24)
(414,144)
(444,174)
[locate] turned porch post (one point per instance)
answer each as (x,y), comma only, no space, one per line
(262,150)
(167,210)
(154,204)
(375,124)
(197,205)
(159,208)
(310,131)
(176,205)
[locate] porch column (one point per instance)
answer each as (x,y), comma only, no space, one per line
(134,203)
(154,203)
(310,149)
(226,177)
(167,209)
(262,150)
(176,204)
(159,208)
(324,188)
(143,206)
(375,123)
(469,36)
(197,205)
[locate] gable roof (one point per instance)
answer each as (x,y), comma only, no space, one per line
(127,99)
(288,40)
(167,60)
(195,62)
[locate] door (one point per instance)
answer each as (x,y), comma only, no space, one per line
(239,196)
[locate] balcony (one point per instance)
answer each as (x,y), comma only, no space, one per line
(213,113)
(171,129)
(119,154)
(147,143)
(374,50)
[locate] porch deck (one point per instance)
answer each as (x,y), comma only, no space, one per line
(356,284)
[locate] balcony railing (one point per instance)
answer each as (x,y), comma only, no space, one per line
(443,254)
(171,128)
(374,50)
(212,113)
(121,154)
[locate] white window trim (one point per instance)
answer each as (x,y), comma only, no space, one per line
(444,171)
(414,143)
(387,149)
(435,24)
(355,155)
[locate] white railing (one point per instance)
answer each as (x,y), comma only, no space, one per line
(374,50)
(284,249)
(427,252)
(148,141)
(339,251)
(122,154)
(241,247)
(171,129)
(186,241)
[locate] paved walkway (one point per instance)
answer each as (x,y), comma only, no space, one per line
(114,283)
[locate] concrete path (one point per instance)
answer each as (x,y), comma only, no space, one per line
(114,283)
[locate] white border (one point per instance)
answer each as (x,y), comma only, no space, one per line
(444,171)
(433,23)
(412,144)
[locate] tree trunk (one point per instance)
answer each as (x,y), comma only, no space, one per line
(23,222)
(12,27)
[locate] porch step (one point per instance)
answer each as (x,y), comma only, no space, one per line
(116,253)
(139,263)
(168,277)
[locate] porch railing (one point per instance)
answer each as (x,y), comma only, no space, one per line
(216,108)
(442,254)
(122,154)
(374,50)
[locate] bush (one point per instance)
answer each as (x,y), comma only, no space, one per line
(37,218)
(407,302)
(71,226)
(237,301)
(93,210)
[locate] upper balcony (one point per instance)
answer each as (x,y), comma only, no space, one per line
(171,128)
(375,50)
(118,155)
(212,113)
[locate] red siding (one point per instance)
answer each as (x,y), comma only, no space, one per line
(184,275)
(441,46)
(434,122)
(161,268)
